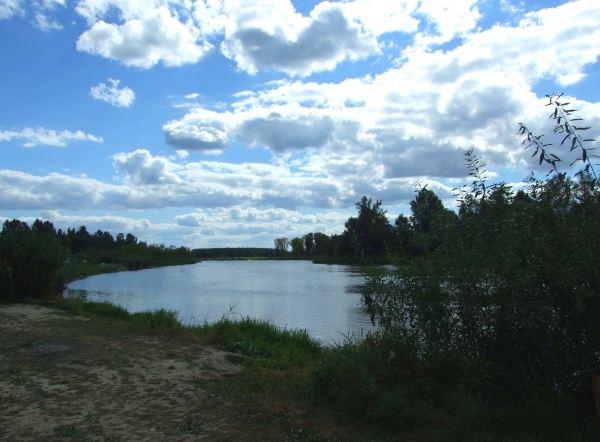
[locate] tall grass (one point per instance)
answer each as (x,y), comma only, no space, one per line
(161,320)
(371,381)
(273,345)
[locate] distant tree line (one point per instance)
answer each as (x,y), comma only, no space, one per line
(32,259)
(370,233)
(233,252)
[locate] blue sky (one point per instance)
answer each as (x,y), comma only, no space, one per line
(211,123)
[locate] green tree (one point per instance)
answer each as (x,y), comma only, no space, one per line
(30,260)
(309,243)
(424,208)
(321,243)
(281,246)
(370,228)
(297,247)
(508,304)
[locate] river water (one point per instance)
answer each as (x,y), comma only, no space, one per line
(323,299)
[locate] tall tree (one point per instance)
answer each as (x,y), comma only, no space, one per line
(424,208)
(309,244)
(371,227)
(281,246)
(297,247)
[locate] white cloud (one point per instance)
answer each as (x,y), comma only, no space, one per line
(141,168)
(449,18)
(42,22)
(153,182)
(112,94)
(158,36)
(201,130)
(269,35)
(40,136)
(416,120)
(8,8)
(381,16)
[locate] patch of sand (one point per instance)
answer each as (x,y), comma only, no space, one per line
(98,380)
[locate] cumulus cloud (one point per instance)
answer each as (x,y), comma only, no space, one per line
(157,36)
(112,94)
(39,136)
(153,182)
(447,19)
(282,134)
(298,45)
(240,221)
(200,130)
(416,120)
(141,168)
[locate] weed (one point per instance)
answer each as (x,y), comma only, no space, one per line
(68,431)
(190,426)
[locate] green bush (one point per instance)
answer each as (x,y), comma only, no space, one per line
(508,303)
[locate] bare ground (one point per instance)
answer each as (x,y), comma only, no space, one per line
(71,378)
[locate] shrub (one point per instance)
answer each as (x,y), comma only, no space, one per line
(508,303)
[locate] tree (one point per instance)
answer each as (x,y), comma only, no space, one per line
(424,208)
(297,247)
(321,243)
(509,301)
(309,244)
(371,227)
(30,260)
(281,246)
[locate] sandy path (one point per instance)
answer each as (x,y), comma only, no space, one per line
(71,378)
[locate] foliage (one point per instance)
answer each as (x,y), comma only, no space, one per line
(278,347)
(508,303)
(281,246)
(233,252)
(30,260)
(297,247)
(160,320)
(370,228)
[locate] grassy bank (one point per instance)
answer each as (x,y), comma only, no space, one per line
(77,269)
(365,386)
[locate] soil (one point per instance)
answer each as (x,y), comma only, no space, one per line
(71,378)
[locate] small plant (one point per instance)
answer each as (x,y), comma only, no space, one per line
(69,431)
(190,425)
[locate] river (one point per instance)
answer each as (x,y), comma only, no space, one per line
(323,299)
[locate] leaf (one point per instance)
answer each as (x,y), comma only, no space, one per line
(573,144)
(589,139)
(555,157)
(565,139)
(541,157)
(581,128)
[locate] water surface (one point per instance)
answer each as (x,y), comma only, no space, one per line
(323,299)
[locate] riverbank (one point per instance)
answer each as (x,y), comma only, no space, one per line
(92,371)
(77,269)
(85,371)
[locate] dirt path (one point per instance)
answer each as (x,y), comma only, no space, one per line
(71,378)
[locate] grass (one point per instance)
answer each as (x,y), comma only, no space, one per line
(365,385)
(79,270)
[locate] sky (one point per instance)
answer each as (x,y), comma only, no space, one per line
(228,123)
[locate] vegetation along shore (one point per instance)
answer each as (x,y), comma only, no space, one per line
(487,321)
